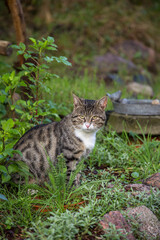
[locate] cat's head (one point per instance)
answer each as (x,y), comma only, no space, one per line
(88,115)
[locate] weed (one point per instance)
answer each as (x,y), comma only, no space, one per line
(63,225)
(22,114)
(120,156)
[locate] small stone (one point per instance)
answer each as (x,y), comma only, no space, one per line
(153,181)
(138,188)
(110,185)
(137,88)
(155,102)
(149,224)
(116,218)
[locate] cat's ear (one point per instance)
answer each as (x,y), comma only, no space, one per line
(77,101)
(103,102)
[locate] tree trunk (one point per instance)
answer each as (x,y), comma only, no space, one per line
(20,29)
(19,23)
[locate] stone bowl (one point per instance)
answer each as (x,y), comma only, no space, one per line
(137,107)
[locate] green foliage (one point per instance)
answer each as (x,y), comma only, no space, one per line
(60,188)
(78,222)
(114,233)
(64,226)
(128,160)
(19,114)
(113,160)
(16,209)
(58,224)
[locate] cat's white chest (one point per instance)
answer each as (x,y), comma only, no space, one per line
(88,139)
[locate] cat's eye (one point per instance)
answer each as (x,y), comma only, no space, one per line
(81,117)
(95,118)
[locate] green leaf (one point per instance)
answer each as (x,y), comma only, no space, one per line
(26,55)
(63,60)
(18,152)
(38,102)
(8,151)
(20,52)
(7,125)
(33,40)
(48,59)
(51,48)
(7,89)
(14,131)
(23,167)
(3,197)
(3,169)
(13,168)
(44,66)
(30,64)
(19,111)
(15,46)
(55,75)
(22,45)
(2,110)
(50,39)
(135,174)
(23,84)
(12,107)
(2,98)
(5,177)
(24,67)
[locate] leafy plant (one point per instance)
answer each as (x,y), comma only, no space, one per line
(21,114)
(36,68)
(64,225)
(135,159)
(61,189)
(115,234)
(7,167)
(16,209)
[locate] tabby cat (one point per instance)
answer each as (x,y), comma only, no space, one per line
(74,137)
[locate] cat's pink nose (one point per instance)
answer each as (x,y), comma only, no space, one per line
(87,125)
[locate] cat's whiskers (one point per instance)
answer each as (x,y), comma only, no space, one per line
(88,126)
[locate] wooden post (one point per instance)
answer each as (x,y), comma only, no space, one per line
(19,23)
(5,48)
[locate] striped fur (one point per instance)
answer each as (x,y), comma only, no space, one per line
(69,137)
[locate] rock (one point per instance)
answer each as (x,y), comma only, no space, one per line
(113,77)
(153,181)
(137,88)
(116,218)
(149,224)
(140,78)
(135,50)
(110,185)
(156,102)
(137,188)
(110,63)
